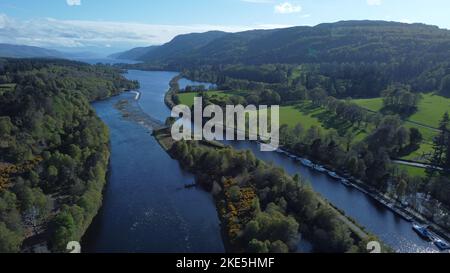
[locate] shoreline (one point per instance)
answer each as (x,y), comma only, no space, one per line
(168,100)
(407,213)
(357,231)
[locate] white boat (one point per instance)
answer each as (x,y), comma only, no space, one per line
(422,231)
(307,163)
(334,175)
(345,182)
(319,168)
(441,244)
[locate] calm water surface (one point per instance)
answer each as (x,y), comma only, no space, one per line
(146,207)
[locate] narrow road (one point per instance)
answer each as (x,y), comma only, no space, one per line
(416,164)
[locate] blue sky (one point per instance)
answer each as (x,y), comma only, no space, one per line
(111,25)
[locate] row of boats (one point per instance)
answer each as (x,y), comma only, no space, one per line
(425,234)
(308,163)
(422,231)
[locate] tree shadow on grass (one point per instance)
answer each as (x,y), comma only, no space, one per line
(329,120)
(404,114)
(307,108)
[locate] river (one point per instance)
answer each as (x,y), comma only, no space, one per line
(146,208)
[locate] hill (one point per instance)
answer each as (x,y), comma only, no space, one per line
(346,41)
(51,140)
(177,48)
(22,51)
(133,54)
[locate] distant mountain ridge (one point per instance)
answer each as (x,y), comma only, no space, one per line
(22,51)
(133,54)
(182,44)
(345,41)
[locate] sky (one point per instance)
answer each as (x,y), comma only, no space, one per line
(107,26)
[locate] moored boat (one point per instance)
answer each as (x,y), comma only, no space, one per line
(190,186)
(345,182)
(334,175)
(423,232)
(319,168)
(307,163)
(441,245)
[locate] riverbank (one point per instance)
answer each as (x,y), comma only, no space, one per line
(399,209)
(166,142)
(390,203)
(147,208)
(352,202)
(357,233)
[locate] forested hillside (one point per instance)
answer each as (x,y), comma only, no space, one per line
(22,51)
(177,48)
(355,59)
(53,150)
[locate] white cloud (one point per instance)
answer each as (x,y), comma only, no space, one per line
(258,1)
(73,2)
(48,32)
(3,21)
(374,2)
(406,21)
(286,8)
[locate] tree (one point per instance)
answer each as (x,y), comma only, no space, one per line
(5,126)
(10,241)
(318,96)
(279,247)
(439,188)
(401,187)
(400,99)
(65,230)
(415,137)
(441,154)
(445,86)
(403,137)
(256,246)
(235,193)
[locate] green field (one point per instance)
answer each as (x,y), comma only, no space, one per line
(293,115)
(187,98)
(413,171)
(308,115)
(430,110)
(302,113)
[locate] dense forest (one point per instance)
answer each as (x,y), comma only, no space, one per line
(53,150)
